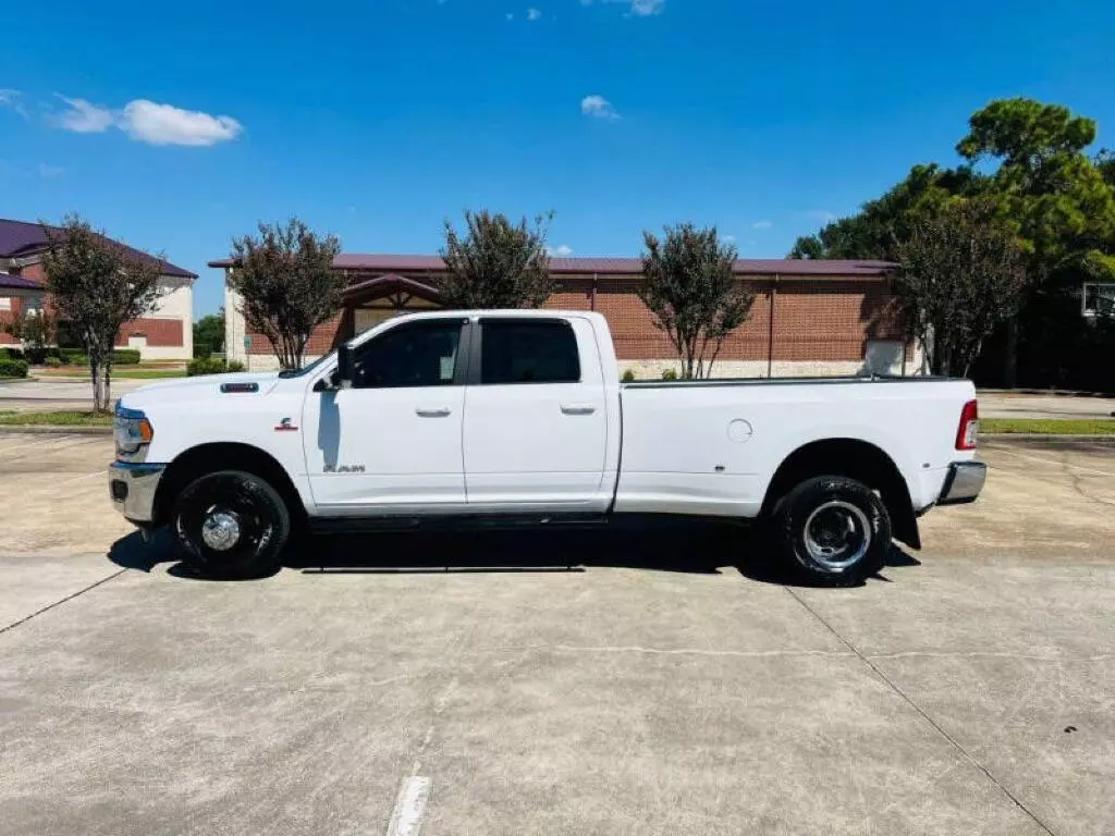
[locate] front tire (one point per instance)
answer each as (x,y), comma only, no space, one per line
(833,531)
(231,524)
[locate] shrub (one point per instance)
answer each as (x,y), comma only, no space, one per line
(74,356)
(53,362)
(628,376)
(10,354)
(670,374)
(13,368)
(202,349)
(210,365)
(38,355)
(125,356)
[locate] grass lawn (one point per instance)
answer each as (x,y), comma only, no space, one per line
(1048,426)
(61,418)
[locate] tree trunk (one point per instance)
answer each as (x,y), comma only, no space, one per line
(1010,358)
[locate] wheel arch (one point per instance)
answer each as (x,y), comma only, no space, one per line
(208,458)
(856,459)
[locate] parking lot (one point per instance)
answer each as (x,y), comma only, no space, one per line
(598,681)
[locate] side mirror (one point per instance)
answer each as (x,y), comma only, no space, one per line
(345,366)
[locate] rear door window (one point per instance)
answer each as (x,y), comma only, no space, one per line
(528,351)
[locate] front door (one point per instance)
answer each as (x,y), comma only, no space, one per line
(536,423)
(393,440)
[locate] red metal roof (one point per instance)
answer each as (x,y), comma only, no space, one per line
(18,282)
(19,239)
(373,262)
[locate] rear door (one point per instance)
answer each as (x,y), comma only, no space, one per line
(394,439)
(536,424)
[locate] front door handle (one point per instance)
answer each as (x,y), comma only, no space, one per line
(578,408)
(432,411)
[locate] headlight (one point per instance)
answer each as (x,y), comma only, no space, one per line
(131,430)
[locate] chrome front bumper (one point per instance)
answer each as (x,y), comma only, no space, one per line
(963,483)
(132,487)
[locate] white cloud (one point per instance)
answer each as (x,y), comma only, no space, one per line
(730,239)
(762,225)
(534,14)
(598,107)
(150,122)
(163,124)
(13,100)
(636,8)
(561,251)
(84,117)
(47,171)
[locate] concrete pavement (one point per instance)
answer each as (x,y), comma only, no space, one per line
(50,394)
(672,684)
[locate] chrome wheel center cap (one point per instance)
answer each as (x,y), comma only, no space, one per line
(220,531)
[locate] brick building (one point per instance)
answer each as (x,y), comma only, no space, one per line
(809,317)
(164,334)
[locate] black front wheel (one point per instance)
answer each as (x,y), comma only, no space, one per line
(833,530)
(231,524)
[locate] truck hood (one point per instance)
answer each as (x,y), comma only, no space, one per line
(194,388)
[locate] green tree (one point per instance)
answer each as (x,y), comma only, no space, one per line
(35,329)
(496,263)
(286,284)
(1063,209)
(690,287)
(964,273)
(881,226)
(97,285)
(209,334)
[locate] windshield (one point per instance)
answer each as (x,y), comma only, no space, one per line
(286,373)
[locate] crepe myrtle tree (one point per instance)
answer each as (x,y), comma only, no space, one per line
(964,273)
(287,286)
(693,293)
(96,285)
(36,329)
(495,263)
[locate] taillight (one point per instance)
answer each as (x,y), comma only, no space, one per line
(969,426)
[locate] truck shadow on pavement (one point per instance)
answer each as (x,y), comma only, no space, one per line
(664,547)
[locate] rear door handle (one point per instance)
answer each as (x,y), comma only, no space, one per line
(432,411)
(578,408)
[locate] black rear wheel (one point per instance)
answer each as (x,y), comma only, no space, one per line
(231,524)
(833,530)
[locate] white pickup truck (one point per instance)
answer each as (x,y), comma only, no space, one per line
(514,416)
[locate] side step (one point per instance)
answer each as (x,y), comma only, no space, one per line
(454,522)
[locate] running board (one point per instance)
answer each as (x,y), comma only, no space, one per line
(357,525)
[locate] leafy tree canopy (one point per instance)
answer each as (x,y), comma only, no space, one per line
(496,263)
(287,285)
(690,287)
(964,274)
(209,334)
(96,285)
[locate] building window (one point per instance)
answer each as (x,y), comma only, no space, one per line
(1099,299)
(5,303)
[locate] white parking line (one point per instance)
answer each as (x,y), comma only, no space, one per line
(410,806)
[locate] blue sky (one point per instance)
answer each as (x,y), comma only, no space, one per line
(175,126)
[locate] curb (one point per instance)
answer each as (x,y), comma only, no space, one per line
(39,429)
